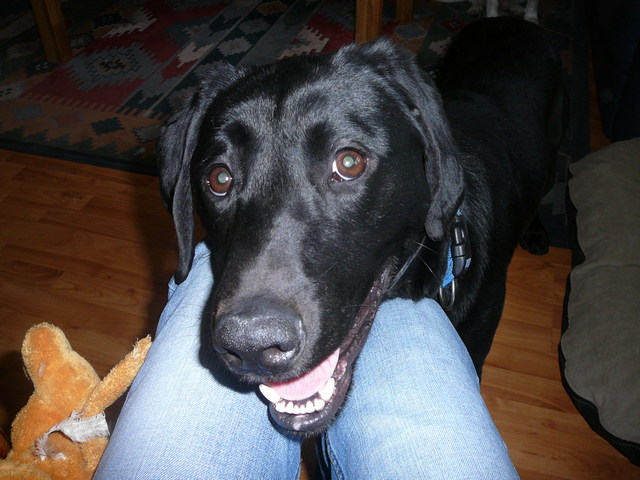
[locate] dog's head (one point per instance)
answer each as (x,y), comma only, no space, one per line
(315,178)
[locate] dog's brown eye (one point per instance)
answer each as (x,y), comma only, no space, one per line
(220,180)
(348,165)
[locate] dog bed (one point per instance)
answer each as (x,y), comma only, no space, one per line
(600,344)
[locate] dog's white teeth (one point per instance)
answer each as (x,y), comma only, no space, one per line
(269,393)
(289,408)
(315,404)
(327,390)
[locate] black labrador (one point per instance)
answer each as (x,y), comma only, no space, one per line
(329,183)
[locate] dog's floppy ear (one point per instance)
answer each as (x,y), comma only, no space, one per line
(424,108)
(176,146)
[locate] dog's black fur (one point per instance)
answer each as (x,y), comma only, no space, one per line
(296,252)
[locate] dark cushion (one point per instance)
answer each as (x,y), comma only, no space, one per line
(600,345)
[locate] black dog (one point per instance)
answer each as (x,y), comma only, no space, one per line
(328,183)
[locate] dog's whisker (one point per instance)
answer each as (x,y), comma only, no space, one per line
(427,247)
(313,281)
(426,264)
(326,272)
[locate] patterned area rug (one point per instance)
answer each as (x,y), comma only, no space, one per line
(135,59)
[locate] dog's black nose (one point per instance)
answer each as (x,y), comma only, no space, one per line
(259,336)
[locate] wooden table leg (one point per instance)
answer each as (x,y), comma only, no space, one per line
(52,28)
(368,19)
(404,11)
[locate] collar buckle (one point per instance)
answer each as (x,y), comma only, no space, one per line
(458,261)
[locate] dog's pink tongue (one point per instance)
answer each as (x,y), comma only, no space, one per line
(309,383)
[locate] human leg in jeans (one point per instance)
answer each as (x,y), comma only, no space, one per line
(185,417)
(414,410)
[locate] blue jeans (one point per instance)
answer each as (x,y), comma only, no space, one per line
(414,410)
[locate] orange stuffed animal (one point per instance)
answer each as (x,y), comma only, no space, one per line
(61,433)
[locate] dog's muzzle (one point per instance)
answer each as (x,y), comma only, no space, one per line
(263,338)
(308,404)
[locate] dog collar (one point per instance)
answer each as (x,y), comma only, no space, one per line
(458,261)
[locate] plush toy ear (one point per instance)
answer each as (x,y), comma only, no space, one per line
(176,146)
(424,109)
(49,360)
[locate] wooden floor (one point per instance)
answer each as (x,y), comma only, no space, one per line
(91,250)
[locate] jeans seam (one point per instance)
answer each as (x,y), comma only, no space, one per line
(334,465)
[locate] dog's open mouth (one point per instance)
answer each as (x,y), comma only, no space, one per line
(310,402)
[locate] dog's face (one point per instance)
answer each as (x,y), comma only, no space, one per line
(315,179)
